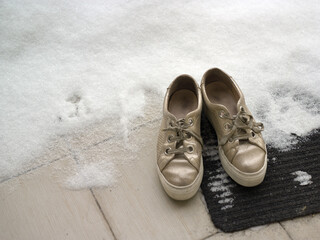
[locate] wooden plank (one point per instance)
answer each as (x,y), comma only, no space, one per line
(137,207)
(303,228)
(273,231)
(35,206)
(53,150)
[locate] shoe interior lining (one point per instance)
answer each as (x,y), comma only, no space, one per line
(219,92)
(182,102)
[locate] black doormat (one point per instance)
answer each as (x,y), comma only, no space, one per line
(290,189)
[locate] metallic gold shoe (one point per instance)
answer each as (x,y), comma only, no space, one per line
(179,149)
(242,149)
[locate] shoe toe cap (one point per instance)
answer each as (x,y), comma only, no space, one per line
(180,172)
(249,159)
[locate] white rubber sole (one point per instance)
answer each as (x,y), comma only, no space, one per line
(243,178)
(184,192)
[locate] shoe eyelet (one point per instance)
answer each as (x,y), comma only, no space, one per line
(231,140)
(170,138)
(241,109)
(190,121)
(171,124)
(227,126)
(221,114)
(166,152)
(253,134)
(190,149)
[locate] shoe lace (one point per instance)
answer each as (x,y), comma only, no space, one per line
(239,126)
(182,133)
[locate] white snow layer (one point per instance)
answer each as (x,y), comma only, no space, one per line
(89,175)
(302,177)
(66,64)
(219,183)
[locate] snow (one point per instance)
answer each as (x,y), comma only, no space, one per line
(101,174)
(221,185)
(65,65)
(302,177)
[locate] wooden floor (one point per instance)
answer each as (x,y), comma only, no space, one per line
(38,205)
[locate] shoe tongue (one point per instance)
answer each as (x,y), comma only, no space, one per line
(179,144)
(241,131)
(241,142)
(180,155)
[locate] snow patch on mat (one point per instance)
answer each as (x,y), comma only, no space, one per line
(220,183)
(302,177)
(68,64)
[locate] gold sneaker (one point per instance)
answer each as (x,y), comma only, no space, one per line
(242,149)
(179,149)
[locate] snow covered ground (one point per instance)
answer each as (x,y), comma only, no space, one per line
(67,64)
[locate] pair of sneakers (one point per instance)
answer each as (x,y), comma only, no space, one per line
(242,149)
